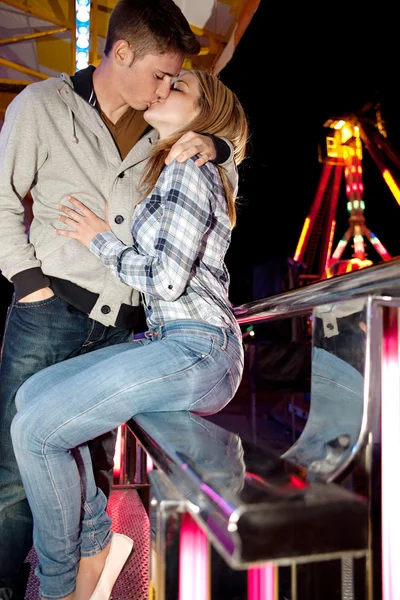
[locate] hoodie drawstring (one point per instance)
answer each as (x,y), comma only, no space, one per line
(72,119)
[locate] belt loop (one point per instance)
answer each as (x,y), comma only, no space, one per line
(225,339)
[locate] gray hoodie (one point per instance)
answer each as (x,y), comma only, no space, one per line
(55,144)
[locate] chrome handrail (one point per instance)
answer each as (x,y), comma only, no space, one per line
(382,279)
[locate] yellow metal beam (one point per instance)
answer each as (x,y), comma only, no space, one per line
(22,69)
(94,31)
(31,36)
(5,99)
(60,13)
(13,82)
(55,54)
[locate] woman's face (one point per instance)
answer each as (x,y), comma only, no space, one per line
(178,109)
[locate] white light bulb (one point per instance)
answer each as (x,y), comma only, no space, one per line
(82,14)
(81,60)
(82,42)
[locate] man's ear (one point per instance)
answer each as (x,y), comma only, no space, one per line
(123,53)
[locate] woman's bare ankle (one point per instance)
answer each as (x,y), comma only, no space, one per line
(89,572)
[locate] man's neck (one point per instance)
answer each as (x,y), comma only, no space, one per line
(109,103)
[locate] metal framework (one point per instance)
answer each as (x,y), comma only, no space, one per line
(343,156)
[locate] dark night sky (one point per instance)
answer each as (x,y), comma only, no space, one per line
(293,69)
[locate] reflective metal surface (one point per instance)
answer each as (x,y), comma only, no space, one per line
(166,508)
(382,279)
(254,505)
(331,434)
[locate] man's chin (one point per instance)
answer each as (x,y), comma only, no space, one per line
(141,108)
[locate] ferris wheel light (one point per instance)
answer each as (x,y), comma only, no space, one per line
(82,42)
(82,24)
(81,61)
(83,14)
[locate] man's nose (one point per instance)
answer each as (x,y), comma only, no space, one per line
(163,90)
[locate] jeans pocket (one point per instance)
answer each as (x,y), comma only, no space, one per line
(199,345)
(36,303)
(217,397)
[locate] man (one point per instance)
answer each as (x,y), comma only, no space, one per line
(85,136)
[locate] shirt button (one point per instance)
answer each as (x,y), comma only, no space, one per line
(149,307)
(170,287)
(121,175)
(119,219)
(105,309)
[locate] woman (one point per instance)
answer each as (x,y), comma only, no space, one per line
(190,359)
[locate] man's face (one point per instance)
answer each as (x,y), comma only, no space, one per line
(148,80)
(181,107)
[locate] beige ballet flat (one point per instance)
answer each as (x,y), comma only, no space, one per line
(121,551)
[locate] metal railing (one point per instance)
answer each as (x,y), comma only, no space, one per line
(374,458)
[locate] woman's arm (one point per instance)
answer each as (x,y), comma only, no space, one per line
(184,198)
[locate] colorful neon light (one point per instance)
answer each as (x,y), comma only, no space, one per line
(330,244)
(379,247)
(359,247)
(390,443)
(339,250)
(302,238)
(261,583)
(149,463)
(387,176)
(82,19)
(117,455)
(194,561)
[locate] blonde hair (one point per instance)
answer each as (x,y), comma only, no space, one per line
(222,115)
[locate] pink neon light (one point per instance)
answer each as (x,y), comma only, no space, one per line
(117,454)
(390,411)
(261,583)
(223,504)
(331,235)
(194,565)
(149,463)
(380,248)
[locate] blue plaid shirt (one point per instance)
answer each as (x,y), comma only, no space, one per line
(181,233)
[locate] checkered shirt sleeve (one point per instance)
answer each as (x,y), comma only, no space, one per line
(161,261)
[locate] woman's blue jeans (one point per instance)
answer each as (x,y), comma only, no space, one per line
(36,335)
(185,365)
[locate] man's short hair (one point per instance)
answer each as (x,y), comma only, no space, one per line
(151,27)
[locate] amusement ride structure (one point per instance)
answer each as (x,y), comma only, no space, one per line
(342,155)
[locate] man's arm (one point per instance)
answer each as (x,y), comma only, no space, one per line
(211,148)
(22,153)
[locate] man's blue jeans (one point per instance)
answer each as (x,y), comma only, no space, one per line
(185,365)
(39,334)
